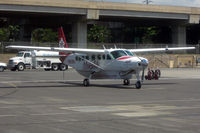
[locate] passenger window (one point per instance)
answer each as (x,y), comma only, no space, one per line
(87,57)
(99,57)
(76,58)
(104,57)
(108,57)
(79,59)
(93,57)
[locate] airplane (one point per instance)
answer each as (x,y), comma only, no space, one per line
(104,63)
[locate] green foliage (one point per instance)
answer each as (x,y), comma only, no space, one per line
(4,34)
(99,34)
(14,32)
(10,33)
(44,35)
(149,34)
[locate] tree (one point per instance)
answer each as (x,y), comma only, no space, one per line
(4,34)
(99,34)
(149,34)
(10,33)
(44,35)
(14,32)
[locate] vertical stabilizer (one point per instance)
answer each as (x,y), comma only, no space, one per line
(62,44)
(61,38)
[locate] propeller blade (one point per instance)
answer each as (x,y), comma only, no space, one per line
(142,78)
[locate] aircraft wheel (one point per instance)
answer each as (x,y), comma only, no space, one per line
(86,82)
(126,82)
(138,85)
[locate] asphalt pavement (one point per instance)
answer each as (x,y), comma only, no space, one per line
(36,101)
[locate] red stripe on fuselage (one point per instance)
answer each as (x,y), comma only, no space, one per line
(124,57)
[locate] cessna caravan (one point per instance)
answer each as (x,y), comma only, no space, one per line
(103,63)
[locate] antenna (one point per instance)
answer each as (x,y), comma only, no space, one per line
(104,47)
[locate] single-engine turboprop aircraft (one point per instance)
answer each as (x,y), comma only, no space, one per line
(103,63)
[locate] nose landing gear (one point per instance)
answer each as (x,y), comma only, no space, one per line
(86,82)
(138,84)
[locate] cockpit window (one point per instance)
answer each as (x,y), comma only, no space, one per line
(20,54)
(118,53)
(129,53)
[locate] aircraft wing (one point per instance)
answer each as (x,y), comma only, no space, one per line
(57,49)
(160,49)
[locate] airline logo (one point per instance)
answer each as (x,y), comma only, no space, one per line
(61,43)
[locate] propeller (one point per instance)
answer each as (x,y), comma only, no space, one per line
(144,64)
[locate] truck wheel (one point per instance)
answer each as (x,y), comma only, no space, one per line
(55,67)
(63,67)
(20,67)
(1,69)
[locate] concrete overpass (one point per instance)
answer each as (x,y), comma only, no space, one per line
(90,10)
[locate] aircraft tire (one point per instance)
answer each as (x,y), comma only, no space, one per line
(86,82)
(138,85)
(126,82)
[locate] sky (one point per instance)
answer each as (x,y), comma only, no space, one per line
(190,3)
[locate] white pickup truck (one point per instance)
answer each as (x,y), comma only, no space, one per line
(36,59)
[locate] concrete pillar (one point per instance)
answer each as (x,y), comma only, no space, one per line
(179,35)
(79,33)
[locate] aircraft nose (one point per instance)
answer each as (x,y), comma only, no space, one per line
(143,62)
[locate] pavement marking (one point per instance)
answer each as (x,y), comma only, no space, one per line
(89,108)
(142,114)
(8,115)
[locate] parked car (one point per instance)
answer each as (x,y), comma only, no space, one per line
(3,66)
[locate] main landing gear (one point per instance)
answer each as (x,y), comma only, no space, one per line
(126,82)
(86,82)
(138,84)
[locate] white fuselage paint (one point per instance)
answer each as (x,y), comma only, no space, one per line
(122,67)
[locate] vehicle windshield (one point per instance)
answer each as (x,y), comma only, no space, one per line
(129,53)
(20,54)
(118,53)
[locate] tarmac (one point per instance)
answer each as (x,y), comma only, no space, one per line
(36,101)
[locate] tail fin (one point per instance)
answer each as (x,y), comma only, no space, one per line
(61,38)
(62,44)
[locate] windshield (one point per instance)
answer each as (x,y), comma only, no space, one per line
(118,53)
(129,53)
(20,54)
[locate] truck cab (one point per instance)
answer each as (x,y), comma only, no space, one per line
(22,60)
